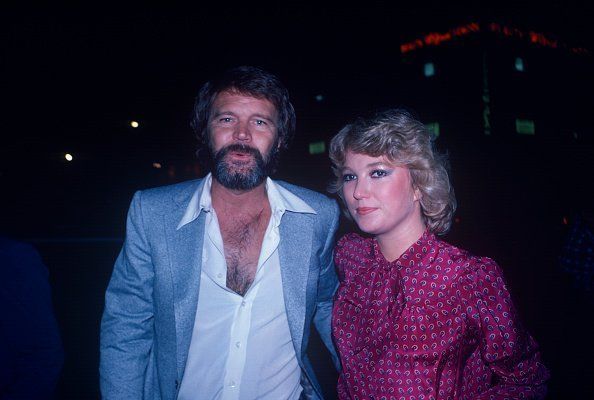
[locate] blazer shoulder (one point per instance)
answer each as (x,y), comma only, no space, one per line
(170,195)
(318,201)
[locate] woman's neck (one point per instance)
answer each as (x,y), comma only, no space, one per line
(397,242)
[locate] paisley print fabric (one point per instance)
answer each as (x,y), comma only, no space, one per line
(438,323)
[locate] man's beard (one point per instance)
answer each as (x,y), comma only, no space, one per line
(242,174)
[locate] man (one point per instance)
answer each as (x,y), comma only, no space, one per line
(214,292)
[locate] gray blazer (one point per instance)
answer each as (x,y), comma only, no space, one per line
(151,300)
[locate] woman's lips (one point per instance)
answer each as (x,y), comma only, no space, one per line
(365,210)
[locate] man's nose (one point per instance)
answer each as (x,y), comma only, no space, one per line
(242,132)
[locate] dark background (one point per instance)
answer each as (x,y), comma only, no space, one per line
(74,77)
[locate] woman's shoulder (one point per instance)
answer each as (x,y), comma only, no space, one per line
(353,242)
(352,251)
(467,266)
(453,260)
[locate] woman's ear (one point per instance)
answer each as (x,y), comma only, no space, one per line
(417,194)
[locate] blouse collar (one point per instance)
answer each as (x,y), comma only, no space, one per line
(414,256)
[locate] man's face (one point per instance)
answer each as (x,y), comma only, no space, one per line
(243,141)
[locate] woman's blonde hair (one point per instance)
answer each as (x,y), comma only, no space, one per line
(405,141)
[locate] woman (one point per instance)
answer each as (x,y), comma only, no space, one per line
(415,317)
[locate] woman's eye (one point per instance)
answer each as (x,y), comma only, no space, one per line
(379,173)
(348,177)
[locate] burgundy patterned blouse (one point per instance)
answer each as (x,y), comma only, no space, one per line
(438,323)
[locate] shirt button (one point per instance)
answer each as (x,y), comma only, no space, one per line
(219,276)
(232,384)
(243,303)
(238,344)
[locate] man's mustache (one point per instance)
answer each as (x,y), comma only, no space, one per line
(238,148)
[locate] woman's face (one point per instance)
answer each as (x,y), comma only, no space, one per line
(380,196)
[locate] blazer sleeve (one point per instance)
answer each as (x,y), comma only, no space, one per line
(127,323)
(328,283)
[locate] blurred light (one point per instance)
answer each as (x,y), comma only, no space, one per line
(157,165)
(525,126)
(565,221)
(319,98)
(519,64)
(68,157)
(457,220)
(429,69)
(171,172)
(433,128)
(317,147)
(134,124)
(437,38)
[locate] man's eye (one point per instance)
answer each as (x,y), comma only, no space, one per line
(348,177)
(260,122)
(379,173)
(225,119)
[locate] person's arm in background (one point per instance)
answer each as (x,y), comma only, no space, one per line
(31,354)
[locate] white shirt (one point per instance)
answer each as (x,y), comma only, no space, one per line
(241,347)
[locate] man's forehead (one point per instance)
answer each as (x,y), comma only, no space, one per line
(235,92)
(227,97)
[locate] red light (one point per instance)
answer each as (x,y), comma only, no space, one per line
(437,38)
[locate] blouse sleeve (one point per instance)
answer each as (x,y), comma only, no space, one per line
(509,351)
(342,256)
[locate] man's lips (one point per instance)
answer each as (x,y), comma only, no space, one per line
(365,210)
(240,154)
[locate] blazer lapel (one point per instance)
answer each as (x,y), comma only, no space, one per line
(185,252)
(296,231)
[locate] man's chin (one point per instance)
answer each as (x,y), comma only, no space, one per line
(240,181)
(241,167)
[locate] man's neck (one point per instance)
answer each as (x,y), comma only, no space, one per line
(224,198)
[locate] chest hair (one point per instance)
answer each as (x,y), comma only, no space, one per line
(242,241)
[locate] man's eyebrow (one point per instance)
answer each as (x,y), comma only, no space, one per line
(221,112)
(264,116)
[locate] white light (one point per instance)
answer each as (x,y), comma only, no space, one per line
(157,165)
(68,157)
(519,64)
(429,69)
(319,97)
(134,124)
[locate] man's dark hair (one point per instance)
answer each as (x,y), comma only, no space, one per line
(250,81)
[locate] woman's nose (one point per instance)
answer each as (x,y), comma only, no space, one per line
(360,191)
